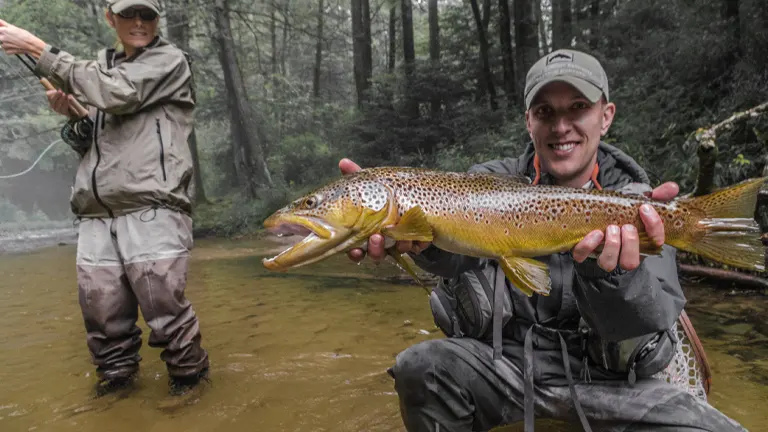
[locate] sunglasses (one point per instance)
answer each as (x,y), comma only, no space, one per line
(144,14)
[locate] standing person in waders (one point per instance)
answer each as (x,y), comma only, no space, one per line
(603,351)
(133,192)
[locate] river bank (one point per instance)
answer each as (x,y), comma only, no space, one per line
(20,239)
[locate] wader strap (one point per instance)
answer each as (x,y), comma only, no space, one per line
(569,376)
(698,349)
(499,287)
(528,395)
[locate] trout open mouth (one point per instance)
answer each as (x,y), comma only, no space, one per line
(290,229)
(320,241)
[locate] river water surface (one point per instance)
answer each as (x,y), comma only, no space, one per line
(302,351)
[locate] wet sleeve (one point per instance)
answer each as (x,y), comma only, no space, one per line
(445,264)
(127,88)
(625,304)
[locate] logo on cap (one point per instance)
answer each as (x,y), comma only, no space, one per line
(560,58)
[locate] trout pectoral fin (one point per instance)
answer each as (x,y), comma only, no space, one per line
(527,274)
(405,265)
(413,225)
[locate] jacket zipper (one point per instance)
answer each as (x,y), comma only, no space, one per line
(110,62)
(162,148)
(98,160)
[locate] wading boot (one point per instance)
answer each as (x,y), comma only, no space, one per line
(184,391)
(179,386)
(115,385)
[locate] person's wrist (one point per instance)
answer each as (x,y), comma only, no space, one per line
(36,47)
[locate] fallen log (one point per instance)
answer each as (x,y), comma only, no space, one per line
(723,275)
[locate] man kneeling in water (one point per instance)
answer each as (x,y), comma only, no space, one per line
(593,350)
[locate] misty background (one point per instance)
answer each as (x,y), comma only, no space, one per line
(286,88)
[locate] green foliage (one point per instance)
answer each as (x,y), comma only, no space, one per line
(674,66)
(304,160)
(232,215)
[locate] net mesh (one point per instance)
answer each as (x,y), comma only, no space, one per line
(684,370)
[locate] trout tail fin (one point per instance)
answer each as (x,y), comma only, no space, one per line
(728,232)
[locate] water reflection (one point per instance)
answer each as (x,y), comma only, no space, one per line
(301,351)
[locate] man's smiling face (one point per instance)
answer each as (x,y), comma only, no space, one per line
(566,129)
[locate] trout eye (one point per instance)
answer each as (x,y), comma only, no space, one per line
(310,202)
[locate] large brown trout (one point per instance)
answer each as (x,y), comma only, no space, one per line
(507,219)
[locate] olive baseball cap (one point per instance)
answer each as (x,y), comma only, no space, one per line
(118,6)
(576,68)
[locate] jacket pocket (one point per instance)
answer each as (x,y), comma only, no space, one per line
(162,148)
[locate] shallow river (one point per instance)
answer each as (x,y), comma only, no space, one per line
(304,351)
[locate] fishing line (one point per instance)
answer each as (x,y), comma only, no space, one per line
(30,63)
(50,146)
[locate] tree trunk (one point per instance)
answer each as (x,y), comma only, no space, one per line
(594,32)
(730,13)
(487,76)
(562,28)
(361,48)
(365,8)
(318,50)
(409,57)
(526,40)
(247,134)
(557,25)
(542,28)
(273,40)
(567,13)
(284,48)
(507,54)
(392,39)
(434,47)
(178,32)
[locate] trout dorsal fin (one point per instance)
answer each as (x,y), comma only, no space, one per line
(413,225)
(527,274)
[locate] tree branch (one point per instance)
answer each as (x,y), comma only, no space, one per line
(706,148)
(723,275)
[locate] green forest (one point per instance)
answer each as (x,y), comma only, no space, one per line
(286,88)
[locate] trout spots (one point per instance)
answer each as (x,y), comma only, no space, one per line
(374,195)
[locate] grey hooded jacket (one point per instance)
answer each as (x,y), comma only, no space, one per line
(137,156)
